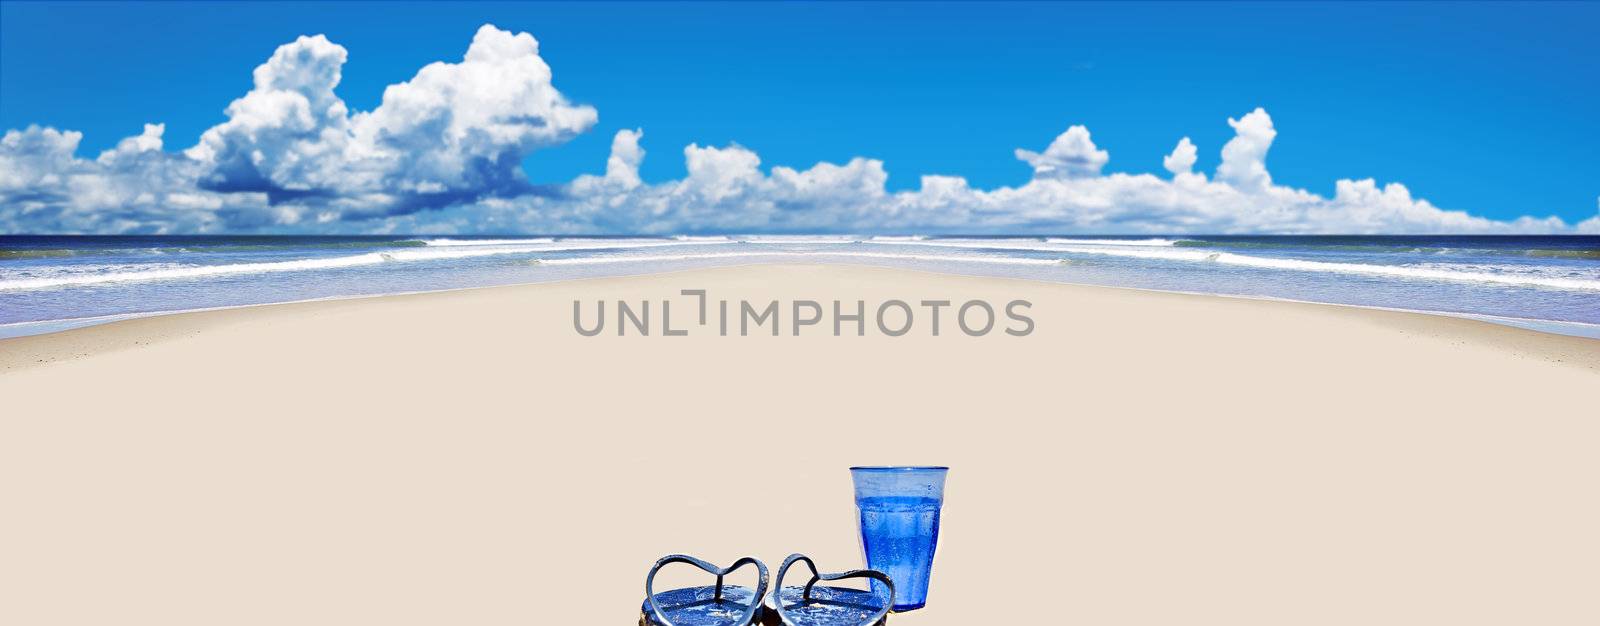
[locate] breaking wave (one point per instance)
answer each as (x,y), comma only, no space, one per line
(1369,269)
(35,270)
(596,260)
(449,243)
(194,271)
(79,276)
(57,253)
(1547,253)
(1115,242)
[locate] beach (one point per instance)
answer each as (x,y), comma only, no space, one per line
(469,457)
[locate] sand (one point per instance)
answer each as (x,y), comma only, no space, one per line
(468,458)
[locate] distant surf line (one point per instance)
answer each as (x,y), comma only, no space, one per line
(1160,249)
(735,255)
(1167,252)
(298,265)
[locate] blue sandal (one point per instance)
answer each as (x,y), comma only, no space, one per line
(711,605)
(829,606)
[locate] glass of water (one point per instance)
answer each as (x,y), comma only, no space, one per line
(899,509)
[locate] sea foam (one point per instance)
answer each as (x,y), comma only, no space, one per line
(1152,249)
(429,253)
(484,242)
(596,260)
(194,271)
(1114,242)
(1396,271)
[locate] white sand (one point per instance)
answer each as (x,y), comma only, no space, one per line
(467,458)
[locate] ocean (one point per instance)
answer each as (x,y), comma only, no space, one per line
(1548,283)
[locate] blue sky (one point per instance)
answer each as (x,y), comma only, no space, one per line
(1485,108)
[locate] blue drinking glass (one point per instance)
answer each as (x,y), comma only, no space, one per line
(900,526)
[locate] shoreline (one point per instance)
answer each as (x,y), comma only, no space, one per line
(15,359)
(1559,328)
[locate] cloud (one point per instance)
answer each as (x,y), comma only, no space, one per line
(1591,226)
(441,153)
(454,132)
(622,167)
(1244,158)
(1182,159)
(133,187)
(36,158)
(1071,155)
(726,190)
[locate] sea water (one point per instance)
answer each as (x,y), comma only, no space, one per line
(899,535)
(1550,283)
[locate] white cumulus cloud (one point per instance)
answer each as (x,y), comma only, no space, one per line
(454,132)
(1182,158)
(1244,158)
(1071,155)
(1591,226)
(622,167)
(726,190)
(133,187)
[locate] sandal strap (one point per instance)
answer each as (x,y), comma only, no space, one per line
(749,613)
(873,574)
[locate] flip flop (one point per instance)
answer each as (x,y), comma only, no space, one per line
(829,606)
(711,605)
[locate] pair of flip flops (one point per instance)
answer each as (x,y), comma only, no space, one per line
(738,605)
